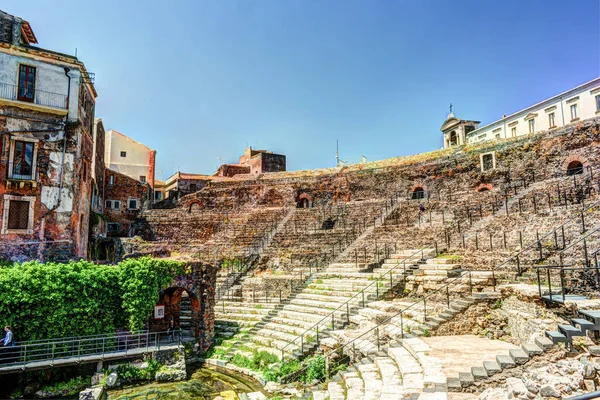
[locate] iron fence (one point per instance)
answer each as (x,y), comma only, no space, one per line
(85,348)
(41,97)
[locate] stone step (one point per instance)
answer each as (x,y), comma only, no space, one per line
(518,356)
(466,379)
(505,361)
(543,342)
(491,367)
(532,349)
(479,373)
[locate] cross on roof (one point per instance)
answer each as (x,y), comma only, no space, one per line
(451,107)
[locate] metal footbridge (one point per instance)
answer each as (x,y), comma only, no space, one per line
(60,352)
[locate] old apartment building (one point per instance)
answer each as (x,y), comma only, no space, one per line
(46,148)
(131,158)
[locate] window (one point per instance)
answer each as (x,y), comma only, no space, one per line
(123,154)
(513,131)
(26,89)
(142,179)
(551,122)
(598,103)
(111,180)
(18,214)
(22,166)
(532,126)
(132,204)
(112,204)
(112,227)
(488,161)
(573,112)
(193,187)
(158,196)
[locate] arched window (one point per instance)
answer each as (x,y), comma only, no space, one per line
(483,189)
(418,193)
(575,168)
(453,138)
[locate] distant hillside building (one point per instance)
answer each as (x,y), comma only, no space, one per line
(180,184)
(129,157)
(570,107)
(254,162)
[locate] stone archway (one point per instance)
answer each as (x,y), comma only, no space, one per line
(575,165)
(304,200)
(194,205)
(196,292)
(484,187)
(183,306)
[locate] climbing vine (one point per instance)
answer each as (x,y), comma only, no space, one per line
(80,298)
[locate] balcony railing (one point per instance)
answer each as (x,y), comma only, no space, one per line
(42,98)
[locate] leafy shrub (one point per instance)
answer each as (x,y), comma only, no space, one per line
(128,373)
(314,370)
(67,388)
(80,298)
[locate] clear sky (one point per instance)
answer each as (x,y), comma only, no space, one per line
(198,80)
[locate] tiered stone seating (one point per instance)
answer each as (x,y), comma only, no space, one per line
(327,301)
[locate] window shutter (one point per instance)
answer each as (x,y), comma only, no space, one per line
(18,214)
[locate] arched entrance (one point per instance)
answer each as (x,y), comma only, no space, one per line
(575,167)
(183,307)
(303,201)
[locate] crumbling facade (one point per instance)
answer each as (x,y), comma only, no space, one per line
(181,184)
(254,162)
(124,198)
(46,148)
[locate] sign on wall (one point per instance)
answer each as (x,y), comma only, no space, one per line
(159,311)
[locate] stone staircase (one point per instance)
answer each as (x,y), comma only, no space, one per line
(588,321)
(502,362)
(437,272)
(326,301)
(402,370)
(185,317)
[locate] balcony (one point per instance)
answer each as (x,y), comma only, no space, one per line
(41,99)
(21,176)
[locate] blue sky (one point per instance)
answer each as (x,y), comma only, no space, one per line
(199,80)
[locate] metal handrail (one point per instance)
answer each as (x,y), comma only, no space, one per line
(438,290)
(41,97)
(387,320)
(80,348)
(331,315)
(585,396)
(83,337)
(538,241)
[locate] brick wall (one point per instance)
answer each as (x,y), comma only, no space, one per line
(122,189)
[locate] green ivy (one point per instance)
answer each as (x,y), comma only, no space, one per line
(80,298)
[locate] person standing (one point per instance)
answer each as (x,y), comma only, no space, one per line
(8,338)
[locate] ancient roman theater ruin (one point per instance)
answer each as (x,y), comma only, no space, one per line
(492,289)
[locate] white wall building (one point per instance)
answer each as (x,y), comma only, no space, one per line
(581,102)
(130,158)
